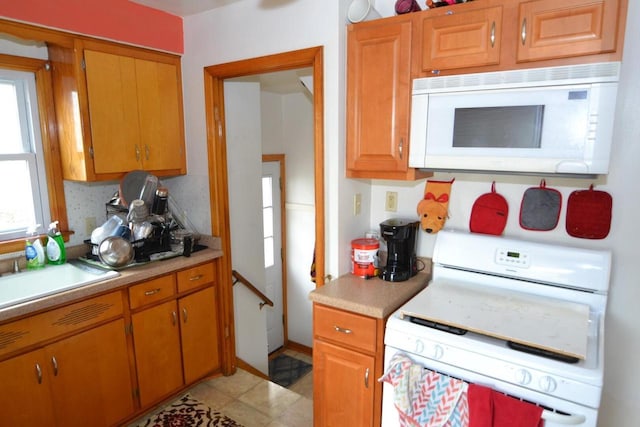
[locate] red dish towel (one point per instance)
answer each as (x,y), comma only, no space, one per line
(490,408)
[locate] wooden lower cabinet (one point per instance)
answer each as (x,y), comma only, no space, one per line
(348,358)
(199,333)
(156,338)
(176,342)
(343,386)
(70,382)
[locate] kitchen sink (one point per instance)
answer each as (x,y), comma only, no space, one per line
(33,284)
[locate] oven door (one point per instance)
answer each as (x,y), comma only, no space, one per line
(557,412)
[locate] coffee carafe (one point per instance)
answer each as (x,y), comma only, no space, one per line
(400,236)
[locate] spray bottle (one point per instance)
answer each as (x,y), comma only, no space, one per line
(56,253)
(34,252)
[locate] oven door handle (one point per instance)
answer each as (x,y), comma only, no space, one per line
(570,420)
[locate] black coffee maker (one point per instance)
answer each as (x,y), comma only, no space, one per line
(400,235)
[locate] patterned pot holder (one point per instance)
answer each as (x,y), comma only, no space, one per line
(540,208)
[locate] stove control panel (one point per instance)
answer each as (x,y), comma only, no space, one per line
(513,258)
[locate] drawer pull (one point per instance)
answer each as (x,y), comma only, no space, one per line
(198,277)
(366,378)
(152,292)
(54,363)
(39,373)
(343,330)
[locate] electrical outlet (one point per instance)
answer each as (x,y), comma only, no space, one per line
(391,201)
(89,224)
(357,204)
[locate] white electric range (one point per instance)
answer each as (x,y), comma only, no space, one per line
(523,318)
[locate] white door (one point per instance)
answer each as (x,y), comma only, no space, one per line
(272,252)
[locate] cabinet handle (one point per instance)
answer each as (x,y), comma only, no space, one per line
(184,315)
(400,147)
(146,151)
(175,317)
(523,31)
(39,373)
(343,330)
(152,292)
(493,34)
(194,278)
(366,378)
(54,363)
(137,153)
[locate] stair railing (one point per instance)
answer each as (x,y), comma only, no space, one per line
(240,278)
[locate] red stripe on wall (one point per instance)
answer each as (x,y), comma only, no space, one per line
(119,20)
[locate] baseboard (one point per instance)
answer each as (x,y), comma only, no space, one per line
(300,348)
(245,366)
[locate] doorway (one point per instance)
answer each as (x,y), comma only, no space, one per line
(218,176)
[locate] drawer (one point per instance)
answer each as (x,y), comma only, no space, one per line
(53,323)
(195,277)
(152,291)
(344,327)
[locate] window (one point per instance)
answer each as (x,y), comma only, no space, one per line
(24,196)
(267,218)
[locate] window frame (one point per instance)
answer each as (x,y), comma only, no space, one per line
(50,145)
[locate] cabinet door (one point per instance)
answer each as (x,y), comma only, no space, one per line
(199,333)
(551,29)
(461,39)
(160,114)
(25,396)
(378,97)
(343,389)
(90,377)
(113,106)
(156,337)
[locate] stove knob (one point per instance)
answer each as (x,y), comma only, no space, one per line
(523,376)
(547,384)
(438,352)
(419,347)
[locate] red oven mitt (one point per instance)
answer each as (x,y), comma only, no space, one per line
(589,214)
(489,213)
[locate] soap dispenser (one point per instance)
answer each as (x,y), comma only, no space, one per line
(56,253)
(34,252)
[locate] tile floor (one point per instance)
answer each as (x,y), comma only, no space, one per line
(255,402)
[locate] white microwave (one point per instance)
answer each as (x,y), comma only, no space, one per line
(554,120)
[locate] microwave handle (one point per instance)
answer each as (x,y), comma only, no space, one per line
(523,31)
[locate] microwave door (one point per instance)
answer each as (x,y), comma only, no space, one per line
(504,130)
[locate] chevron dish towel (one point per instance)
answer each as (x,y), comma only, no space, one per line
(425,398)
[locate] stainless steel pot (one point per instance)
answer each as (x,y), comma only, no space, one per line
(115,251)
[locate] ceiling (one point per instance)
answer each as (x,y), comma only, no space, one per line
(184,7)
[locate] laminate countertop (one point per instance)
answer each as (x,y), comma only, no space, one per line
(371,297)
(126,277)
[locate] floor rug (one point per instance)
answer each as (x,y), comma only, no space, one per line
(286,370)
(188,412)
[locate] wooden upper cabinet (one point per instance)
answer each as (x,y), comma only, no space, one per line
(379,99)
(496,35)
(463,38)
(551,29)
(118,109)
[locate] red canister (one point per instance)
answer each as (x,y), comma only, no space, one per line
(364,257)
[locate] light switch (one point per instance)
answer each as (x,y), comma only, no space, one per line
(391,201)
(357,204)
